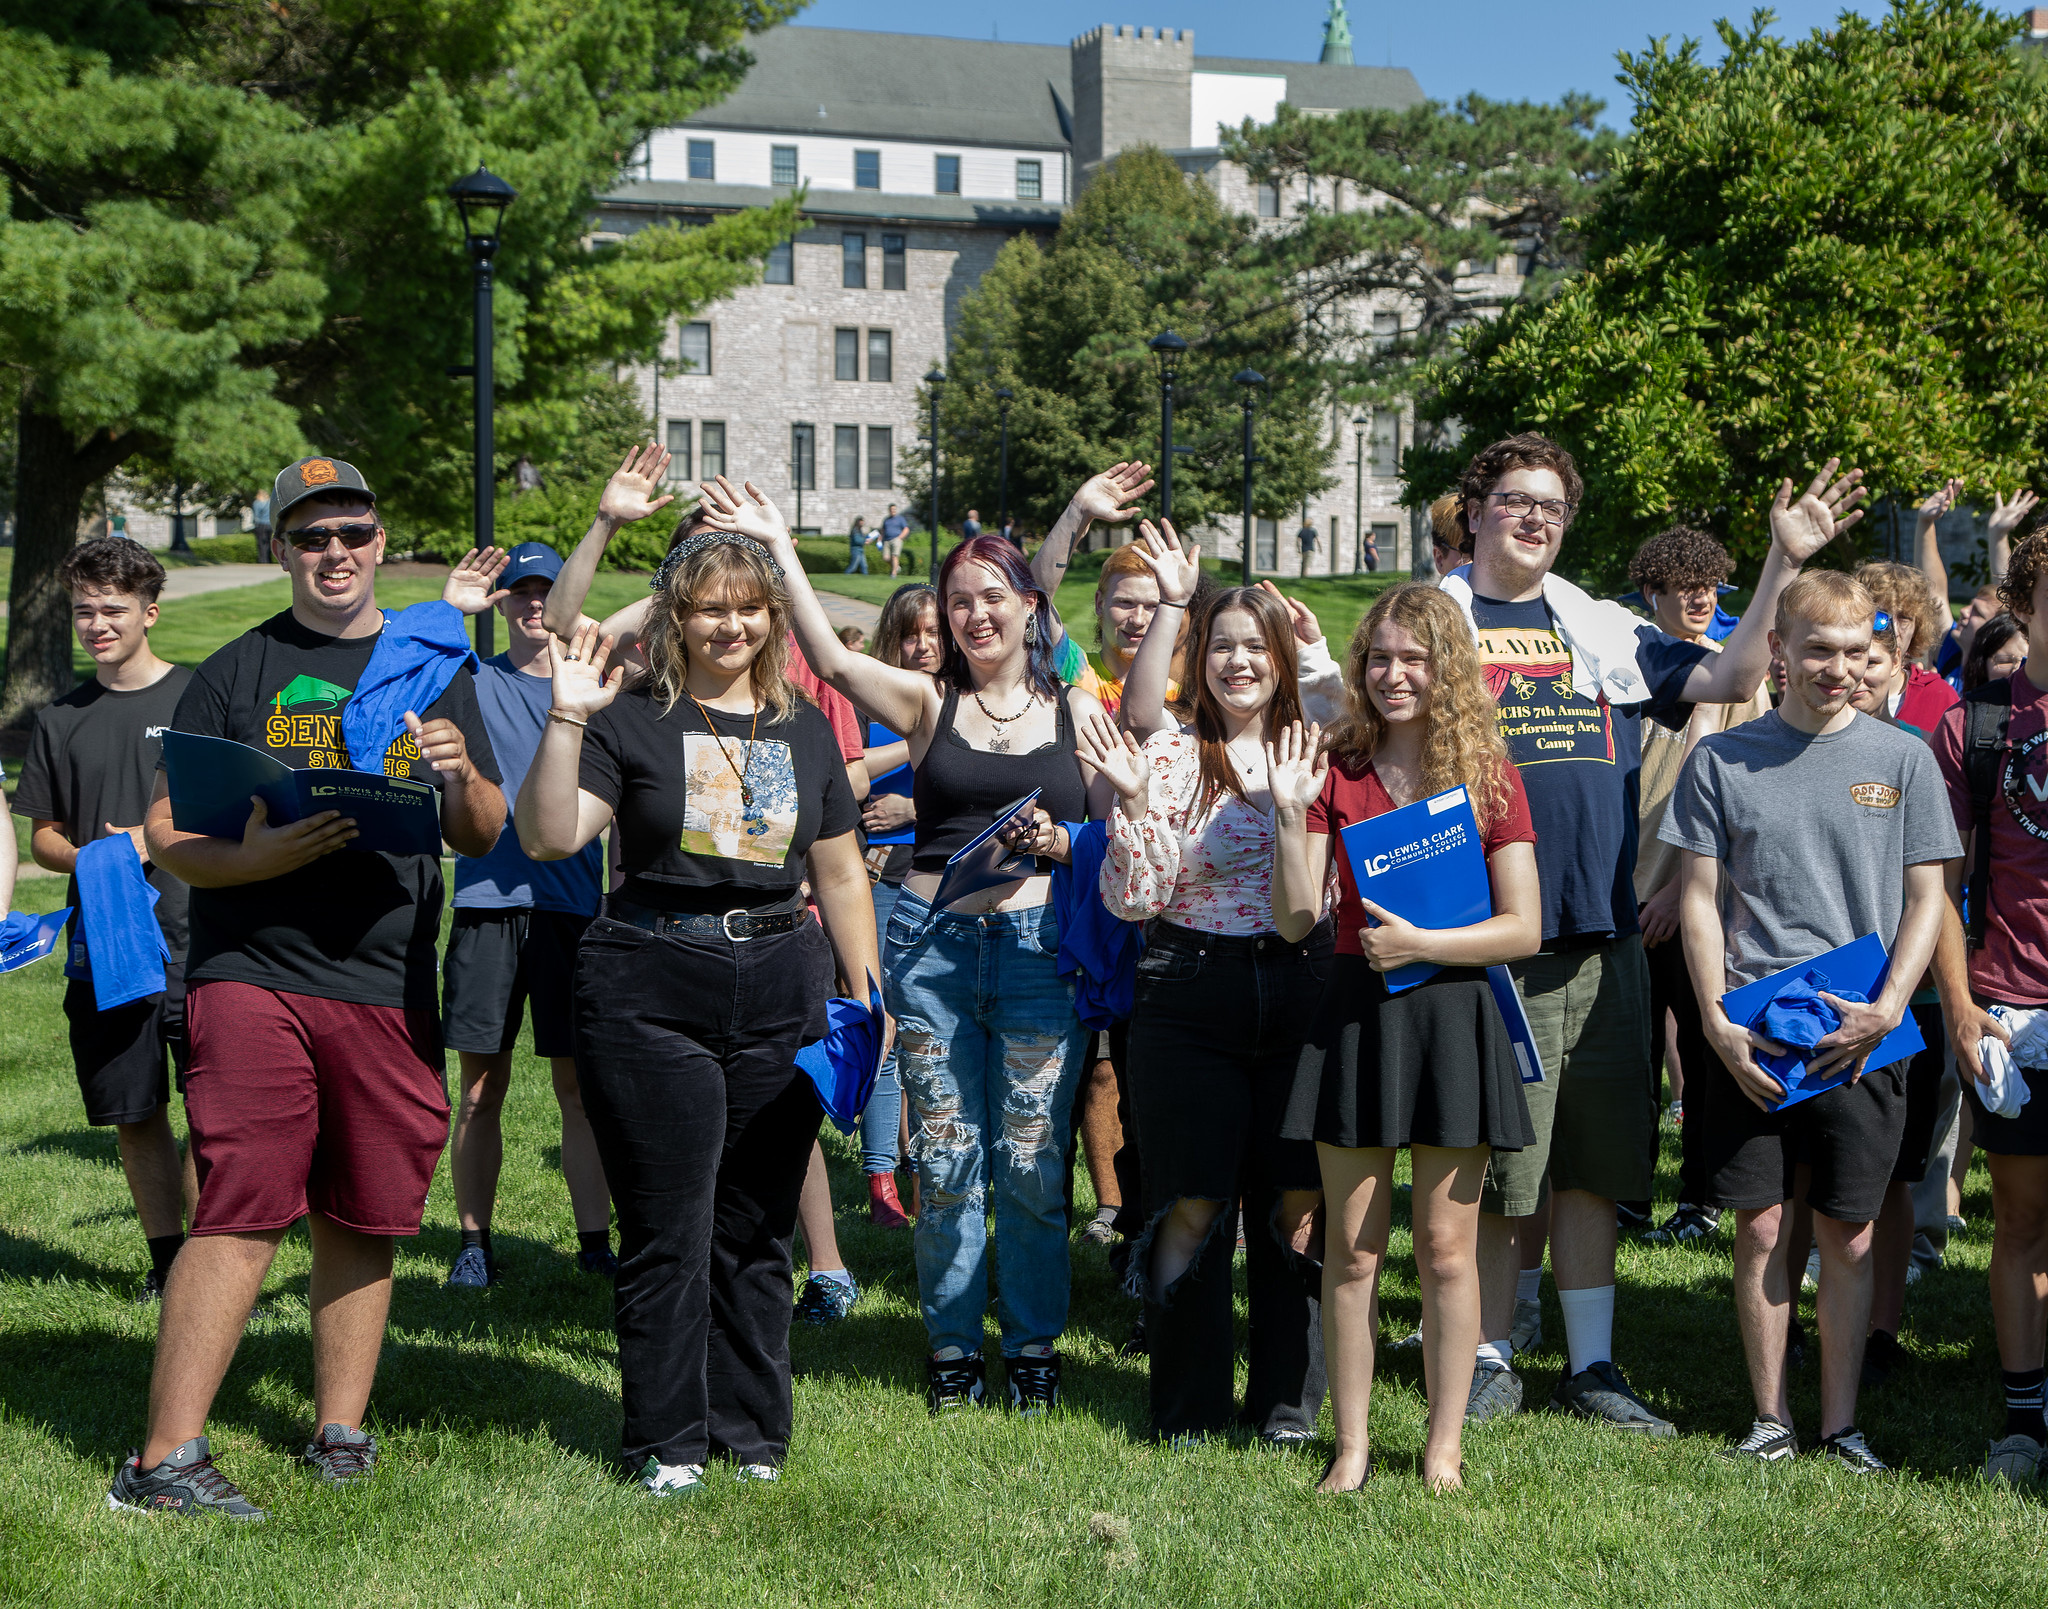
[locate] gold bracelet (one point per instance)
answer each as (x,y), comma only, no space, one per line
(565,718)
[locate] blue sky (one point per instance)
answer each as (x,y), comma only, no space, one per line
(1505,49)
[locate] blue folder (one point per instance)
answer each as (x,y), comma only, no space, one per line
(25,938)
(1426,863)
(985,861)
(1858,968)
(211,779)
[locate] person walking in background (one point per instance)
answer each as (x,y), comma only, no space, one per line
(517,925)
(857,540)
(1307,540)
(970,527)
(894,528)
(315,1088)
(89,774)
(1011,534)
(259,522)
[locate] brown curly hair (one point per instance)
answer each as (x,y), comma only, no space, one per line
(1677,558)
(1464,745)
(2029,560)
(1901,591)
(1525,451)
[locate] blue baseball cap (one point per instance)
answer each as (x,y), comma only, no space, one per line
(531,559)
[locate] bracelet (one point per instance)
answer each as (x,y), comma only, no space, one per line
(565,718)
(1168,603)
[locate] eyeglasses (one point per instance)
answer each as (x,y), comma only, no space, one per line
(1519,505)
(314,538)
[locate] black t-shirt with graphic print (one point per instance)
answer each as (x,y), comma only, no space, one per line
(357,925)
(689,840)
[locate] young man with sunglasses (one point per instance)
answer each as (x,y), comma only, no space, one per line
(316,1086)
(1573,677)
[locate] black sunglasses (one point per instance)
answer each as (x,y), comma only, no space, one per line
(314,539)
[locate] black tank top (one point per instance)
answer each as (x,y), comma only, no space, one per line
(958,790)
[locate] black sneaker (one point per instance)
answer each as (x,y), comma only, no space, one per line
(952,1383)
(341,1455)
(1769,1441)
(1034,1384)
(152,1290)
(604,1264)
(472,1271)
(1600,1392)
(1135,1345)
(1632,1217)
(1881,1355)
(184,1483)
(1686,1225)
(825,1301)
(1848,1449)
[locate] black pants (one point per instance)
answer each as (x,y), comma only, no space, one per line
(684,1050)
(1671,985)
(1215,1038)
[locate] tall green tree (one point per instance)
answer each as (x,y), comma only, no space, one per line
(1825,246)
(227,241)
(1065,327)
(1417,212)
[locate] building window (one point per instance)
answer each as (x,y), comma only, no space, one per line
(946,175)
(892,262)
(1265,545)
(880,347)
(710,450)
(1386,441)
(693,348)
(703,160)
(1386,540)
(1030,180)
(881,458)
(1269,201)
(781,266)
(803,457)
(867,170)
(853,262)
(846,354)
(1386,330)
(846,455)
(782,164)
(678,449)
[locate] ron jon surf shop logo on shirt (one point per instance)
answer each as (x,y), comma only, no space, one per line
(305,723)
(1875,795)
(1529,673)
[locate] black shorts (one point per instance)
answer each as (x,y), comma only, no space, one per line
(1849,1137)
(498,962)
(1923,1097)
(124,1056)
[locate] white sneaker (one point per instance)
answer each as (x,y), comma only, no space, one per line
(756,1472)
(1812,1280)
(672,1480)
(1525,1334)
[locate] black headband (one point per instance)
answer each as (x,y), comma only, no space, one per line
(697,542)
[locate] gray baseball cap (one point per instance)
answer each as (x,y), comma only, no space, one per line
(311,476)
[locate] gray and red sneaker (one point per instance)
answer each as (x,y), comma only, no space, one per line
(184,1483)
(342,1455)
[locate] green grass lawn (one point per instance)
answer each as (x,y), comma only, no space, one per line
(499,1421)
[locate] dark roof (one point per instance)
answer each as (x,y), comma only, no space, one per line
(971,91)
(866,206)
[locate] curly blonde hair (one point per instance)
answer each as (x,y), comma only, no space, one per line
(1463,747)
(722,572)
(1901,591)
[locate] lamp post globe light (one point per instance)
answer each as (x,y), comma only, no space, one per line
(482,197)
(1167,347)
(1358,499)
(1003,494)
(1251,380)
(933,381)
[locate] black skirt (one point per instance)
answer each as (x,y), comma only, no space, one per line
(1429,1066)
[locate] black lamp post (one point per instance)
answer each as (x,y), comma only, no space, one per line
(932,382)
(482,197)
(1167,348)
(1003,496)
(1249,379)
(1358,499)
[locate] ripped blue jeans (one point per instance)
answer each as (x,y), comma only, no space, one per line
(988,1051)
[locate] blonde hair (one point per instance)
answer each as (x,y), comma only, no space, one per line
(1901,591)
(1828,598)
(1463,747)
(1447,523)
(721,572)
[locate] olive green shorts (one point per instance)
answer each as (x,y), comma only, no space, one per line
(1595,1113)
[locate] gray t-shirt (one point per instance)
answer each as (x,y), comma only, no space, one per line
(1814,833)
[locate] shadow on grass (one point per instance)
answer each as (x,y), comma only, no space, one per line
(96,1145)
(25,1259)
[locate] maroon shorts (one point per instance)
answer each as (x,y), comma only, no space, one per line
(299,1104)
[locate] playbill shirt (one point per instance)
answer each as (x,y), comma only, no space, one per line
(1579,759)
(715,820)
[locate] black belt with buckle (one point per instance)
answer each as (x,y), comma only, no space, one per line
(736,925)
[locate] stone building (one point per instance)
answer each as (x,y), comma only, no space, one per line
(921,157)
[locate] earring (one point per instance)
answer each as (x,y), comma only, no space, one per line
(1031,630)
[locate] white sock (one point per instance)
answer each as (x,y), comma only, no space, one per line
(1496,1352)
(1588,1326)
(1529,1284)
